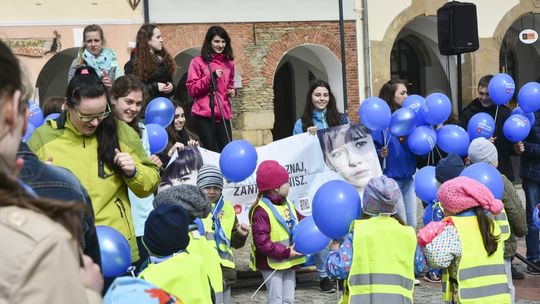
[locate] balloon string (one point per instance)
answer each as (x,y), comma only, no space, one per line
(496,113)
(428,157)
(438,152)
(264,282)
(131,270)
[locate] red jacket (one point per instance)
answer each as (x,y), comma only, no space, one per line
(198,86)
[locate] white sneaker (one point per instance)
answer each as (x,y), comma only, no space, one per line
(416,282)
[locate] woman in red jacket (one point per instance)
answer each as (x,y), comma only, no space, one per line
(212,109)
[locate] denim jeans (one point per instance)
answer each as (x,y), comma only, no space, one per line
(408,202)
(320,262)
(532,198)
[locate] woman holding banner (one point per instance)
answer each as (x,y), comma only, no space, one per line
(320,111)
(400,160)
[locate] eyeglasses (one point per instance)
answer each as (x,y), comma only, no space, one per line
(99,116)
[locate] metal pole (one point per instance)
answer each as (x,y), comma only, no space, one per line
(343,62)
(459,88)
(146,11)
(367,48)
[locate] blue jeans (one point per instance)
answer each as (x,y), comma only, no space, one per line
(320,262)
(409,201)
(532,198)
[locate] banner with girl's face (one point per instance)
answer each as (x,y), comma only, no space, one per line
(344,152)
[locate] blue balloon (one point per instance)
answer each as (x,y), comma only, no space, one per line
(487,175)
(529,97)
(30,128)
(115,251)
(403,122)
(425,184)
(516,128)
(51,116)
(481,125)
(157,137)
(501,88)
(307,237)
(437,108)
(374,113)
(416,103)
(422,140)
(453,139)
(536,216)
(36,116)
(160,111)
(530,116)
(238,160)
(335,205)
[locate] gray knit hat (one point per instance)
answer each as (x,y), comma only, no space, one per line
(381,195)
(209,175)
(482,150)
(189,197)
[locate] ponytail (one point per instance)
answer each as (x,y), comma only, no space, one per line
(486,226)
(252,209)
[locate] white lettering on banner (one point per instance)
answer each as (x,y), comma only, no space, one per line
(306,166)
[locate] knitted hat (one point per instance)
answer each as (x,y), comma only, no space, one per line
(271,175)
(189,197)
(381,195)
(448,168)
(166,230)
(209,175)
(462,193)
(482,150)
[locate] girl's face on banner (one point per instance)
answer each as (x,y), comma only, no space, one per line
(188,179)
(355,160)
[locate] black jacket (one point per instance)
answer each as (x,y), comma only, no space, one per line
(161,74)
(530,159)
(504,147)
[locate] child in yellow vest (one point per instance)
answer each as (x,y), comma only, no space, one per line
(273,219)
(467,244)
(173,268)
(223,229)
(377,258)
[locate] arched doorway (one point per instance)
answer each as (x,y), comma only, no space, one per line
(52,80)
(415,57)
(297,69)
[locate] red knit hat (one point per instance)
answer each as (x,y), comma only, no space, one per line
(462,193)
(271,175)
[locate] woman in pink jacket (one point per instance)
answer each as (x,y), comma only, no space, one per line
(212,109)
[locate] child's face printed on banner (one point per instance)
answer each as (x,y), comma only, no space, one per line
(188,179)
(353,157)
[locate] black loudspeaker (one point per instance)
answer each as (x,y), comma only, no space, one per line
(457,28)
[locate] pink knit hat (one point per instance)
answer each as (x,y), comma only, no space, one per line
(462,193)
(271,175)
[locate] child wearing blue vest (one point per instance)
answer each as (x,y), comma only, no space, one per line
(377,258)
(467,244)
(273,219)
(173,268)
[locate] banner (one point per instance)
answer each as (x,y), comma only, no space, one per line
(340,153)
(35,47)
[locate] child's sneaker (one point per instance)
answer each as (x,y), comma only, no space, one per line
(433,277)
(327,285)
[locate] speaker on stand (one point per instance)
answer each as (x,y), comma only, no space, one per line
(457,31)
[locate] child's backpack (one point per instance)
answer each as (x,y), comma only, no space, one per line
(134,291)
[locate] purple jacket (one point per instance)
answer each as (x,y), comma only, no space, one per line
(264,247)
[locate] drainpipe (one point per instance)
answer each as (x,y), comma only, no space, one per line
(343,61)
(367,48)
(146,10)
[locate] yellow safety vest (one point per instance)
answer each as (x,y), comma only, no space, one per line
(278,234)
(480,278)
(382,269)
(502,221)
(182,276)
(226,218)
(199,245)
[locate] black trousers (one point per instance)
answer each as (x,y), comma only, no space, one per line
(212,134)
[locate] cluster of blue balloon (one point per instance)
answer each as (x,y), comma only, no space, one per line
(114,250)
(335,205)
(158,115)
(413,119)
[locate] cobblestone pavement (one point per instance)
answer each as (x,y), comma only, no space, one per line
(307,291)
